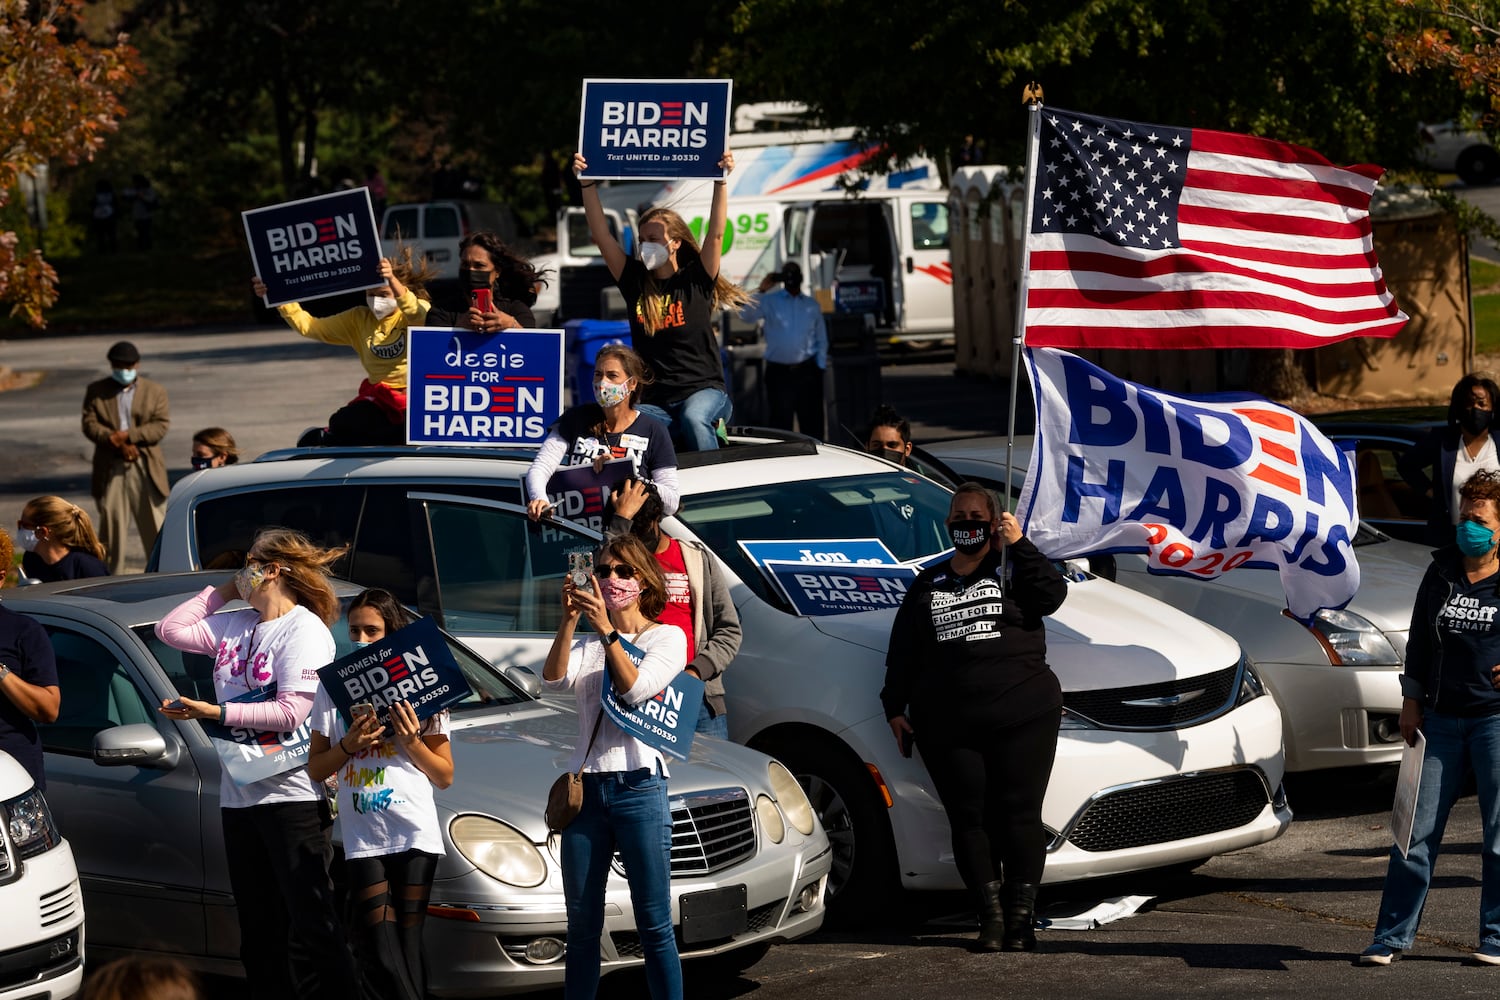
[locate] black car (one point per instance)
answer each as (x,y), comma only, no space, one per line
(1381,437)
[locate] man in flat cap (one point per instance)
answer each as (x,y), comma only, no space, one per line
(126,417)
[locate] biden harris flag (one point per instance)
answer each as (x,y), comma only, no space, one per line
(1201,485)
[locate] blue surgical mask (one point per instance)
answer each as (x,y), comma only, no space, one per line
(124,376)
(1474,540)
(359,645)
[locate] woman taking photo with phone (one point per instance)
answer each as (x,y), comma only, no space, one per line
(624,780)
(968,655)
(610,427)
(276,830)
(500,286)
(673,294)
(391,854)
(59,540)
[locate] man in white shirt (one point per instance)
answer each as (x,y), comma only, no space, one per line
(796,350)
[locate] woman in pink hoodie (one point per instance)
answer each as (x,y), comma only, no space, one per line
(276,828)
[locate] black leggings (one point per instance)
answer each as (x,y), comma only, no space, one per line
(992,781)
(388,898)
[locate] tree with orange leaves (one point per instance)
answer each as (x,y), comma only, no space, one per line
(1460,35)
(59,98)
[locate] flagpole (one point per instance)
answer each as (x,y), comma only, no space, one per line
(1033,99)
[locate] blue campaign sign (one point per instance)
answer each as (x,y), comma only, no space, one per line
(467,388)
(654,129)
(251,755)
(840,590)
(413,664)
(580,492)
(315,247)
(871,551)
(666,721)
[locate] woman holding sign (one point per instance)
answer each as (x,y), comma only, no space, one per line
(624,779)
(392,838)
(1450,691)
(275,829)
(968,655)
(377,333)
(609,428)
(673,292)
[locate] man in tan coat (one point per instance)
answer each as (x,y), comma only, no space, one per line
(126,417)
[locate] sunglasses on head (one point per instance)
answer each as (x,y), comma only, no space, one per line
(624,571)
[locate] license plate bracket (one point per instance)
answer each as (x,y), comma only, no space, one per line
(713,915)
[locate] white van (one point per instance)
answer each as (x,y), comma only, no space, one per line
(41,904)
(434,230)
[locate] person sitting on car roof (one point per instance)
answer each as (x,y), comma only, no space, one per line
(377,332)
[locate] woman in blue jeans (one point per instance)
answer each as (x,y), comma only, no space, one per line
(1451,692)
(624,780)
(673,294)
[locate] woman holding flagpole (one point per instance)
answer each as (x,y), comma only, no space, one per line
(968,657)
(276,830)
(624,779)
(1450,691)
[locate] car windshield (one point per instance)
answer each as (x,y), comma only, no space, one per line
(904,511)
(192,673)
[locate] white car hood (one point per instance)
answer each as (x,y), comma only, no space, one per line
(1104,636)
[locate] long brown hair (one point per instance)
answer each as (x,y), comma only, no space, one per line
(654,303)
(304,568)
(65,522)
(633,552)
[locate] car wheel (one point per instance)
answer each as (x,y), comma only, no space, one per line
(845,800)
(1478,165)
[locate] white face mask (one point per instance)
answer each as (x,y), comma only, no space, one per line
(654,255)
(26,538)
(381,305)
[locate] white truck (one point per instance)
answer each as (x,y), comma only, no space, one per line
(876,244)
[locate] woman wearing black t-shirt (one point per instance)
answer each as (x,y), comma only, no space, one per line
(673,291)
(59,540)
(968,655)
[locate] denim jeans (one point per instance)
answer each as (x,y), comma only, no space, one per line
(713,725)
(693,421)
(1453,744)
(628,810)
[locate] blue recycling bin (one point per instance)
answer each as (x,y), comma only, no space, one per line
(582,340)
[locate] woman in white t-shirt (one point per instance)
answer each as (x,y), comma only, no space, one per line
(276,842)
(392,839)
(624,780)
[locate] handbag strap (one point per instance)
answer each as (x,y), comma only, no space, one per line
(592,737)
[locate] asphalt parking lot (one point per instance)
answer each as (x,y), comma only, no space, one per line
(1282,919)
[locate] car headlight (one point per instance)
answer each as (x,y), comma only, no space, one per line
(1352,640)
(500,851)
(770,819)
(30,823)
(1251,686)
(790,796)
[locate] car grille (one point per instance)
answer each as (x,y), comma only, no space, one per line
(1173,809)
(710,832)
(1168,705)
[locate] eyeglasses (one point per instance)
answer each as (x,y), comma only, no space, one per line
(624,571)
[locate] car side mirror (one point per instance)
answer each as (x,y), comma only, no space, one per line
(139,745)
(524,678)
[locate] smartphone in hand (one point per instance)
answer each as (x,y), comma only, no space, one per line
(176,705)
(580,568)
(359,710)
(480,297)
(908,740)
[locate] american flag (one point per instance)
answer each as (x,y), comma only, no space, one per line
(1148,236)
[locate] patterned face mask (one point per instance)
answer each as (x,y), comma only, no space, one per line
(611,393)
(248,580)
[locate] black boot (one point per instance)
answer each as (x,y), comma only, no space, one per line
(1018,900)
(991,918)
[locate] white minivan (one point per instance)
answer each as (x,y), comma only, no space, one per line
(41,906)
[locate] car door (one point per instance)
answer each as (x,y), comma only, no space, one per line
(928,272)
(136,832)
(1386,501)
(493,577)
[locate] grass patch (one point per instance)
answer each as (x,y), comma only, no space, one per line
(133,290)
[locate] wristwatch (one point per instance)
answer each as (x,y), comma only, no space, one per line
(614,636)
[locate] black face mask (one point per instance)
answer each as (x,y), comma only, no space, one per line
(1475,420)
(199,464)
(969,537)
(793,287)
(889,454)
(473,279)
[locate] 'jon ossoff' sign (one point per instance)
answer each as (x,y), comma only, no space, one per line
(316,247)
(469,388)
(654,129)
(413,664)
